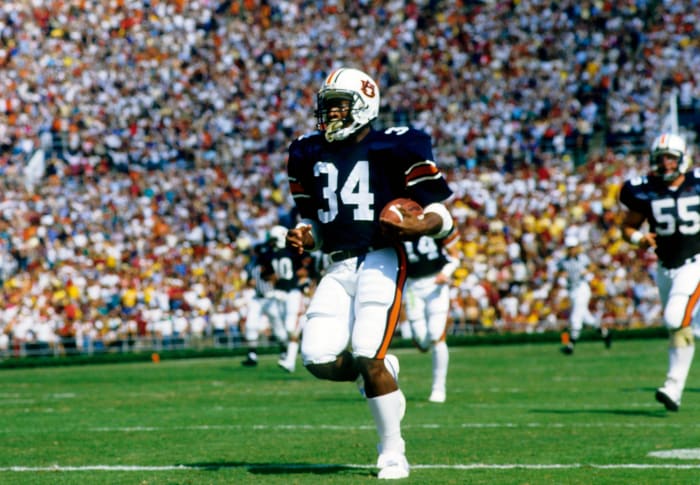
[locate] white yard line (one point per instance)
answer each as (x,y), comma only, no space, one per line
(282,467)
(312,427)
(334,427)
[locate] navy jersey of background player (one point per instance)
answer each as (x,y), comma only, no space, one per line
(674,215)
(425,257)
(346,184)
(286,264)
(260,272)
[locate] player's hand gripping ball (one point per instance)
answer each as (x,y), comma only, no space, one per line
(392,212)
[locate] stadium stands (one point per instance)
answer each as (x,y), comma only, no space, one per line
(142,146)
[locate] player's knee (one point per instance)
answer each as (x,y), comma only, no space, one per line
(422,343)
(681,337)
(316,357)
(675,311)
(435,336)
(321,371)
(420,336)
(423,347)
(371,368)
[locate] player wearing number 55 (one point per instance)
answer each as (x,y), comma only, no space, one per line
(668,199)
(341,177)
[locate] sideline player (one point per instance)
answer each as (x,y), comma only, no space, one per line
(431,263)
(341,177)
(668,199)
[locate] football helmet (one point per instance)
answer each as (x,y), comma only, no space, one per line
(278,236)
(669,144)
(354,86)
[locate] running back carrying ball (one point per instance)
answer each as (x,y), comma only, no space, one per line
(392,213)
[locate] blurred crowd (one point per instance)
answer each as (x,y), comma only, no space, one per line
(142,147)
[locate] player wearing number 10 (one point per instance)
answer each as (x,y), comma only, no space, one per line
(341,177)
(668,198)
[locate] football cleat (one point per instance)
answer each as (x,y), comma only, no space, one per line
(392,466)
(567,349)
(437,396)
(607,338)
(663,396)
(251,360)
(286,365)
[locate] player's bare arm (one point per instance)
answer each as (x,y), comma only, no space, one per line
(453,259)
(413,226)
(632,233)
(433,223)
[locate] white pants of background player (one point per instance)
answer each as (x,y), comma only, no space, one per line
(261,313)
(427,307)
(679,290)
(287,328)
(580,297)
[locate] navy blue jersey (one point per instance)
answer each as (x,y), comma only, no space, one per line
(286,264)
(344,185)
(426,257)
(260,271)
(674,215)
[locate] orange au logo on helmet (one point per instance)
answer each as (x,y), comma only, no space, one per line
(367,88)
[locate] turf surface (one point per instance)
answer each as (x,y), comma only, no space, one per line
(515,414)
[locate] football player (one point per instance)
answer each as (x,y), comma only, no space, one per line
(668,199)
(341,176)
(262,308)
(574,267)
(290,272)
(431,263)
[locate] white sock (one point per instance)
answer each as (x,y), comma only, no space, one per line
(441,359)
(292,351)
(679,361)
(405,329)
(388,421)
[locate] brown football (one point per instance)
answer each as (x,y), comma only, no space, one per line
(391,211)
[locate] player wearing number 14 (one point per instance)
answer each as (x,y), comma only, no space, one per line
(668,198)
(341,177)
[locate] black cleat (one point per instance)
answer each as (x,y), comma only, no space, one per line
(251,360)
(607,340)
(607,337)
(249,363)
(567,349)
(666,400)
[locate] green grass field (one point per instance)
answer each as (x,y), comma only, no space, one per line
(515,415)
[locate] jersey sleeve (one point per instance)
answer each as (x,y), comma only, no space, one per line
(425,183)
(628,196)
(298,177)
